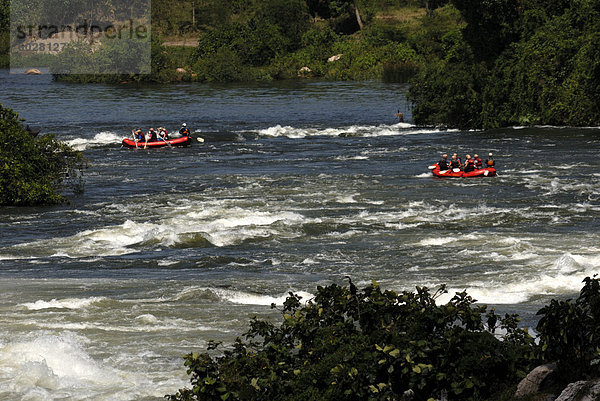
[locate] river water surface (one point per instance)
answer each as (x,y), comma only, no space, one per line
(297,184)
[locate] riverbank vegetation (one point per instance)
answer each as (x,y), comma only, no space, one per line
(34,171)
(371,344)
(275,39)
(471,63)
(514,63)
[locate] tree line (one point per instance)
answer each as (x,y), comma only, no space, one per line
(514,62)
(471,63)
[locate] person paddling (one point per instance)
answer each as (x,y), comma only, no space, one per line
(469,164)
(443,163)
(478,161)
(162,133)
(139,135)
(490,162)
(454,163)
(457,158)
(152,137)
(184,131)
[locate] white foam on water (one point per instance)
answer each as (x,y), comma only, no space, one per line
(245,298)
(353,130)
(13,257)
(147,326)
(44,366)
(241,224)
(99,140)
(347,199)
(564,275)
(68,303)
(147,319)
(218,224)
(52,362)
(344,158)
(437,241)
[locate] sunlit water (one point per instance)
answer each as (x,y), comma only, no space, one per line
(298,184)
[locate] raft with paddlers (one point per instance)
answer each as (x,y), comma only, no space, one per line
(159,138)
(458,173)
(160,143)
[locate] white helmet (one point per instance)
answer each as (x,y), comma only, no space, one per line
(184,125)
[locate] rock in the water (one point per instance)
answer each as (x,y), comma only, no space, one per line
(531,383)
(33,71)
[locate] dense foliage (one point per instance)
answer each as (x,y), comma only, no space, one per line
(522,63)
(33,171)
(477,63)
(274,39)
(4,33)
(371,344)
(265,40)
(346,344)
(569,333)
(79,64)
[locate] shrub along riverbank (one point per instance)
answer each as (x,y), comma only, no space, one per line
(33,171)
(370,344)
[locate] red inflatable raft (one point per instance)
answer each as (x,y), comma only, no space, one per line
(183,141)
(483,172)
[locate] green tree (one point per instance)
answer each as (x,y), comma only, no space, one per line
(339,11)
(290,16)
(33,171)
(492,25)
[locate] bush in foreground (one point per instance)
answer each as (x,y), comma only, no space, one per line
(569,333)
(33,171)
(347,344)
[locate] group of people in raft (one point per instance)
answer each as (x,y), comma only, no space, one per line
(159,134)
(470,164)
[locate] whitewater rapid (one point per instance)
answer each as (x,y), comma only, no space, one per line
(297,185)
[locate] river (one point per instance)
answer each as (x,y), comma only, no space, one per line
(297,184)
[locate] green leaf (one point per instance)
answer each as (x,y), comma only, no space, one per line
(395,353)
(388,348)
